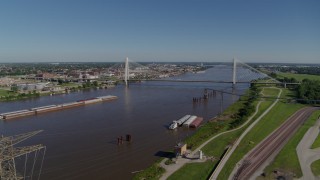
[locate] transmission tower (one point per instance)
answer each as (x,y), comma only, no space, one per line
(9,154)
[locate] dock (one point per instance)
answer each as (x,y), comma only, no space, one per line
(49,108)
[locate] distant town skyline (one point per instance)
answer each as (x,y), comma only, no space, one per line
(266,31)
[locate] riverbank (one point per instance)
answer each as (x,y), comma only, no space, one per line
(217,146)
(232,117)
(9,95)
(287,161)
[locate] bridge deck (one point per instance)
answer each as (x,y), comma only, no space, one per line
(207,81)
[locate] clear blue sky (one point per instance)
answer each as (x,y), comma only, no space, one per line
(162,30)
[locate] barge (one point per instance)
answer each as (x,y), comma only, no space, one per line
(43,109)
(72,104)
(196,123)
(108,98)
(15,114)
(189,121)
(91,101)
(183,119)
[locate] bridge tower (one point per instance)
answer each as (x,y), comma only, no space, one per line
(234,77)
(126,71)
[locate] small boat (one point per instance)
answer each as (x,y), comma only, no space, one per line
(173,125)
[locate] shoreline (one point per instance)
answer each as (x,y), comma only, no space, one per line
(156,171)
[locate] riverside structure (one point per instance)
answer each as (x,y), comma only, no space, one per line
(43,109)
(88,134)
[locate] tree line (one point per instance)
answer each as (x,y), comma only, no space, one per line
(309,91)
(248,108)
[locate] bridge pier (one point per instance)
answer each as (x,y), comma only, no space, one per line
(126,71)
(234,77)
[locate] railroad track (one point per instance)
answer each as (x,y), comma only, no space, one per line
(272,143)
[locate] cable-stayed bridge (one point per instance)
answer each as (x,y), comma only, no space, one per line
(239,72)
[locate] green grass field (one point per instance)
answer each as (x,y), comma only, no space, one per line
(287,159)
(153,172)
(270,92)
(193,171)
(298,77)
(217,146)
(202,134)
(316,143)
(269,123)
(315,167)
(235,106)
(4,92)
(211,128)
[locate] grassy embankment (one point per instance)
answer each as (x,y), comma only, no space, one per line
(152,172)
(267,124)
(316,143)
(217,146)
(298,77)
(287,159)
(4,92)
(194,171)
(315,167)
(201,135)
(8,95)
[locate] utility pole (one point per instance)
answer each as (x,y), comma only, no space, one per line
(9,153)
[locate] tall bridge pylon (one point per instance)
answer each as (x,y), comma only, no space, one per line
(236,72)
(234,75)
(126,71)
(131,70)
(242,72)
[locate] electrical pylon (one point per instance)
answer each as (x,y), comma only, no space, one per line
(9,153)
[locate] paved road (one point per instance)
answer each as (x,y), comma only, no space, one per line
(275,141)
(233,148)
(170,169)
(306,155)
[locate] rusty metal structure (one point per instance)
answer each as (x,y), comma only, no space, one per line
(11,156)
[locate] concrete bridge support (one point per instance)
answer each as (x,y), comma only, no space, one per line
(234,76)
(126,71)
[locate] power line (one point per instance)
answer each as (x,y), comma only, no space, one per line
(9,154)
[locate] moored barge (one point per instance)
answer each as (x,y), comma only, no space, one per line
(43,109)
(16,114)
(196,123)
(183,119)
(189,121)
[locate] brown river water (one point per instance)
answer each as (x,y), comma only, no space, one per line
(81,142)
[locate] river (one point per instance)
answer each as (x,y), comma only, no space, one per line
(81,142)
